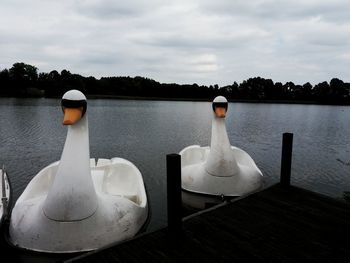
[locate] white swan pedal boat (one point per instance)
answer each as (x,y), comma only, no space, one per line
(79,204)
(221,169)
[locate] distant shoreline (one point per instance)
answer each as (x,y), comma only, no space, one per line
(23,80)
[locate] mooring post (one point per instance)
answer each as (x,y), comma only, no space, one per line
(173,162)
(286,160)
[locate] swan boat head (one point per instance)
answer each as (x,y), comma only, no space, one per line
(221,160)
(72,195)
(220,106)
(73,106)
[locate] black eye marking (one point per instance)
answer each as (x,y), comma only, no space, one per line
(74,104)
(220,105)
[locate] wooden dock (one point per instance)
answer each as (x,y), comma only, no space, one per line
(278,224)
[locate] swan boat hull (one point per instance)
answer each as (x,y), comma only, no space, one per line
(121,213)
(195,178)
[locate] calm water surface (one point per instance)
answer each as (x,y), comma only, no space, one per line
(32,136)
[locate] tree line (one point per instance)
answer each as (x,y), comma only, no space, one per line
(23,80)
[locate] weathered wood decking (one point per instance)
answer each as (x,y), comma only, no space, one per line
(279,224)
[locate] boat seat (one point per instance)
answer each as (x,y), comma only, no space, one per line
(101,162)
(121,180)
(194,154)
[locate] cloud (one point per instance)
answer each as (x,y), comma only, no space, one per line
(111,9)
(194,41)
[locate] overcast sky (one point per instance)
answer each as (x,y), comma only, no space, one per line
(182,41)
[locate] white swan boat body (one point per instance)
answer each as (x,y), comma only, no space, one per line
(221,169)
(78,204)
(5,195)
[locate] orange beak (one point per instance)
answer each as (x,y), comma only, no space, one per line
(72,115)
(220,112)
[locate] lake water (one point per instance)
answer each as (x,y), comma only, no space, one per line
(32,136)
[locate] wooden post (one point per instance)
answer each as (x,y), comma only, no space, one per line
(174,193)
(286,160)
